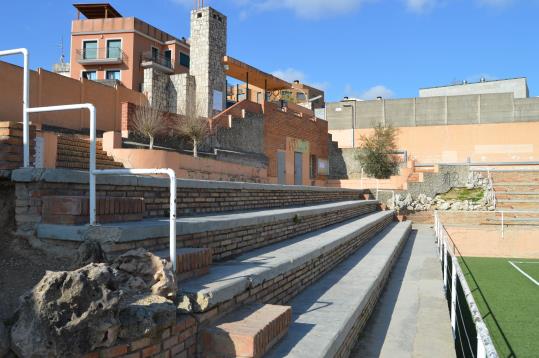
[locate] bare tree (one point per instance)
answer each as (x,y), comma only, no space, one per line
(148,122)
(195,127)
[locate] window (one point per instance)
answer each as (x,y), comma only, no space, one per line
(300,96)
(114,48)
(155,53)
(217,100)
(113,75)
(89,50)
(184,59)
(168,58)
(89,75)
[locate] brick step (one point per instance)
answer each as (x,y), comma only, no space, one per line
(78,141)
(531,176)
(517,205)
(191,261)
(276,273)
(329,316)
(79,150)
(227,234)
(74,156)
(247,332)
(518,195)
(85,165)
(513,221)
(523,187)
(74,210)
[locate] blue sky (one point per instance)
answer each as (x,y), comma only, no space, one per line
(361,48)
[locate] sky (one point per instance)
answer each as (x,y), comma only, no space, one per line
(358,48)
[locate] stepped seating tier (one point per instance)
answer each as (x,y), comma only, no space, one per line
(277,272)
(73,152)
(330,314)
(226,234)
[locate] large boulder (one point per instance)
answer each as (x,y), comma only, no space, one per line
(68,314)
(4,340)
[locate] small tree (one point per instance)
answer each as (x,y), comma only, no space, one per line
(148,122)
(376,153)
(194,127)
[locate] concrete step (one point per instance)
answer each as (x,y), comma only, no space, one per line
(517,195)
(522,187)
(329,315)
(247,332)
(276,273)
(515,176)
(517,204)
(226,234)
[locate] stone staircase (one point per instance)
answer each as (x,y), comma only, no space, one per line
(276,280)
(74,153)
(516,191)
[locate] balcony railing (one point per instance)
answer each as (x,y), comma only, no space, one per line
(163,63)
(104,56)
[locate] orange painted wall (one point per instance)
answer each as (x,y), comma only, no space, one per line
(503,142)
(48,89)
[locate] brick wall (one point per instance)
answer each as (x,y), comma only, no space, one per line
(191,199)
(11,149)
(178,340)
(225,244)
(279,125)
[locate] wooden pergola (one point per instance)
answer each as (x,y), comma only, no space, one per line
(96,11)
(253,76)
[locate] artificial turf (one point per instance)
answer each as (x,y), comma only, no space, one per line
(508,302)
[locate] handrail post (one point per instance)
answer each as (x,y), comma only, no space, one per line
(444,252)
(454,295)
(92,169)
(172,246)
(25,101)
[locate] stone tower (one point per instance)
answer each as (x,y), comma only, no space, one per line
(208,48)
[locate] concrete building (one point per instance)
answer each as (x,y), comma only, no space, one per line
(481,128)
(105,46)
(517,86)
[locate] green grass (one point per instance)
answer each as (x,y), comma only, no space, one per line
(474,195)
(508,301)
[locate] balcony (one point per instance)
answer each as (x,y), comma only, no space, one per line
(100,56)
(157,62)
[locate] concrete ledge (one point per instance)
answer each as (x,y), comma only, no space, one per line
(327,312)
(82,177)
(229,279)
(159,228)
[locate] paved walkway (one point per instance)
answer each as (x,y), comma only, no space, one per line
(412,317)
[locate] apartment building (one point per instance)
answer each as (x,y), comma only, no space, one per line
(107,47)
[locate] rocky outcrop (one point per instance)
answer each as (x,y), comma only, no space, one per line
(4,340)
(68,314)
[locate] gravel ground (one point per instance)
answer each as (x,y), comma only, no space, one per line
(21,267)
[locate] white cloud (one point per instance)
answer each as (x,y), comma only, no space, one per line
(421,6)
(291,74)
(371,93)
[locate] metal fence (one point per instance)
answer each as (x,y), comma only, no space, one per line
(472,338)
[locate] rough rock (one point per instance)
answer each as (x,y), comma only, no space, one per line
(68,314)
(144,315)
(139,269)
(4,340)
(90,251)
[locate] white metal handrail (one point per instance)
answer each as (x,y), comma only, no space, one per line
(26,110)
(25,100)
(485,346)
